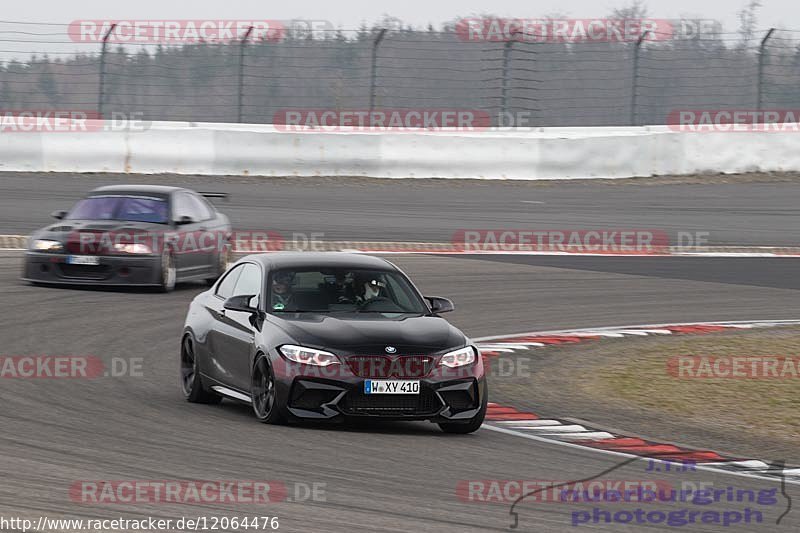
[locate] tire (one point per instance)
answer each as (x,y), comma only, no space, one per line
(264,394)
(223,260)
(191,383)
(169,274)
(463,428)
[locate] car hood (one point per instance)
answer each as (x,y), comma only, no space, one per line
(64,229)
(368,334)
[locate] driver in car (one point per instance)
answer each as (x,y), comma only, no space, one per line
(282,290)
(369,289)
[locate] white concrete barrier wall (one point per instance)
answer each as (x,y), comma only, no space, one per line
(548,153)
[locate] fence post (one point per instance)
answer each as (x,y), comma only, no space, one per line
(373,76)
(635,86)
(762,55)
(506,90)
(239,101)
(101,90)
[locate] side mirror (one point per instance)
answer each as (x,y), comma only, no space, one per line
(185,219)
(241,304)
(440,305)
(58,215)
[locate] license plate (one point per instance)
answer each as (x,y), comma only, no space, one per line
(390,386)
(83,260)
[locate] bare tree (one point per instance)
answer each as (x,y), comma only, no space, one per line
(635,10)
(748,20)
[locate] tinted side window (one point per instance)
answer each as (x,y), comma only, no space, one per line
(400,292)
(249,283)
(183,206)
(226,286)
(201,207)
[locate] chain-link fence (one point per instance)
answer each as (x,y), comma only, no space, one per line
(517,81)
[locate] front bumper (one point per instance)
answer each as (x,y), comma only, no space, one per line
(112,270)
(443,396)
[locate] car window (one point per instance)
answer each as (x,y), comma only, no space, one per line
(228,283)
(308,280)
(249,283)
(142,210)
(202,208)
(342,290)
(128,208)
(400,292)
(183,206)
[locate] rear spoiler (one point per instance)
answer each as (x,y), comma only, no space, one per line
(222,195)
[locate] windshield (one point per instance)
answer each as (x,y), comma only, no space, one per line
(342,290)
(128,208)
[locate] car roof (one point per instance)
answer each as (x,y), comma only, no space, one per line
(138,189)
(279,260)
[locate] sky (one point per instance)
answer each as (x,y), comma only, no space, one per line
(350,13)
(22,42)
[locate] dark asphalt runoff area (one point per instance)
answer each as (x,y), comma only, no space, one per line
(387,477)
(744,213)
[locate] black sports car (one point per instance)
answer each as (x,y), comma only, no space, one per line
(132,235)
(330,336)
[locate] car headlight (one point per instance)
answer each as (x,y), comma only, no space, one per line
(308,356)
(136,248)
(45,245)
(462,357)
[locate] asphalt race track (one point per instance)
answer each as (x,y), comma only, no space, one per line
(393,477)
(758,213)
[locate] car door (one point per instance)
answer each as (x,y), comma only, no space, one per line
(235,332)
(214,340)
(191,258)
